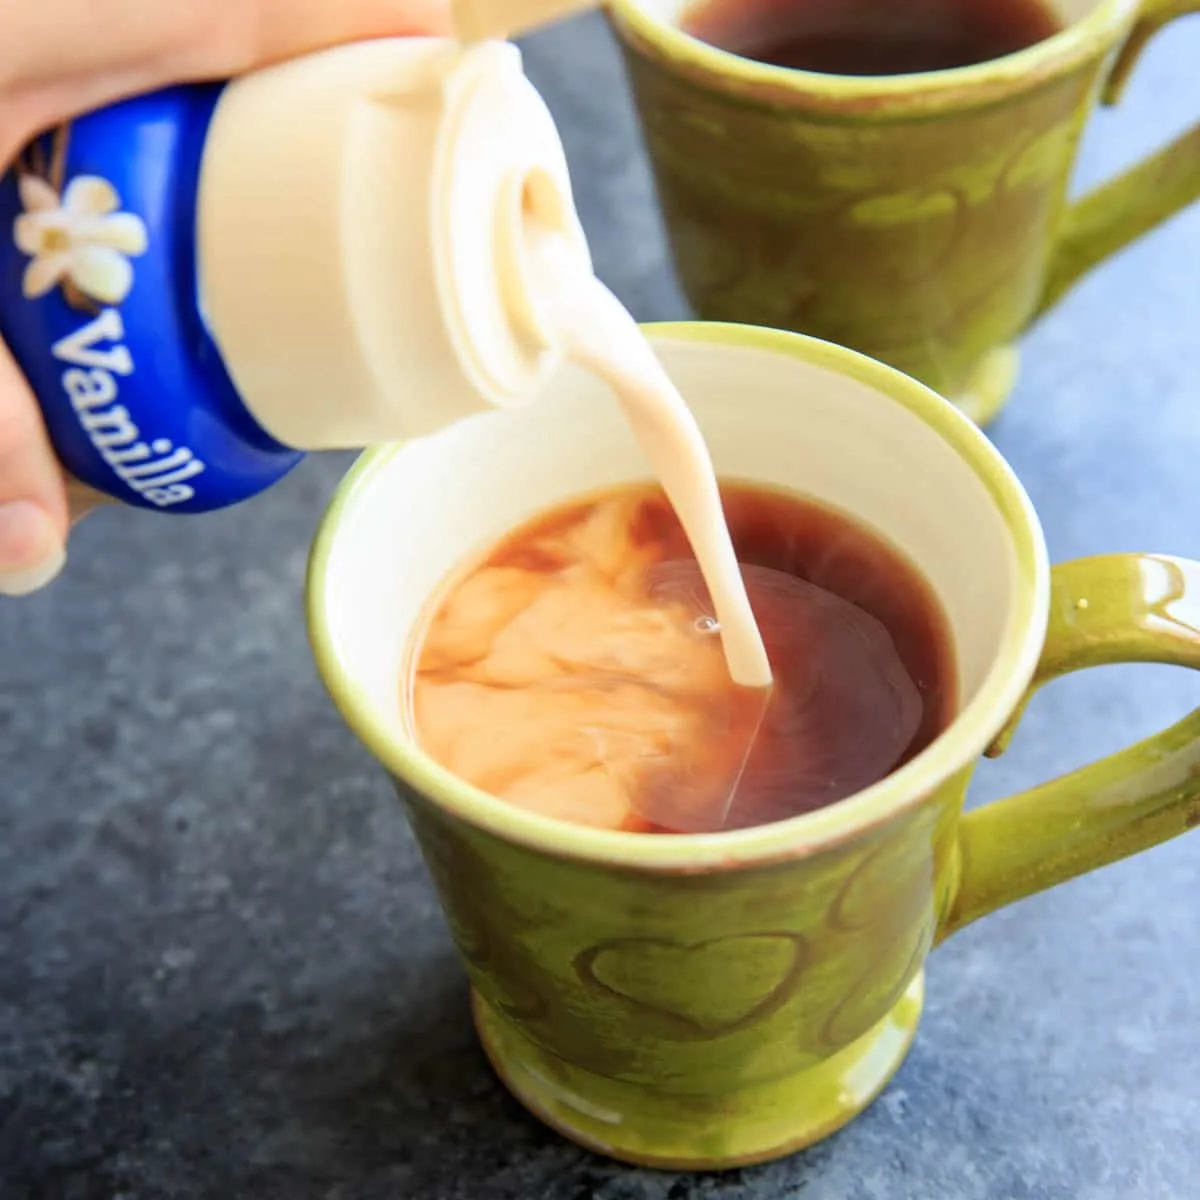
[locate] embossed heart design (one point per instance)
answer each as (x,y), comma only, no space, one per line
(699,990)
(1036,161)
(888,884)
(888,969)
(907,236)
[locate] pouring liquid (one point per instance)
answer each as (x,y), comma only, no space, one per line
(598,333)
(590,670)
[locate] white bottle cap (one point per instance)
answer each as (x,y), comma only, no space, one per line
(360,238)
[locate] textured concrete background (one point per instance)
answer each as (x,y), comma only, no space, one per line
(222,971)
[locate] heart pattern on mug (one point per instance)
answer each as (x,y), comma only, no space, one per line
(890,967)
(892,881)
(699,990)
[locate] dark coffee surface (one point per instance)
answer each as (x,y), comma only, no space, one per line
(575,669)
(872,37)
(860,647)
(223,974)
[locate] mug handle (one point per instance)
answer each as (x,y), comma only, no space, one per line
(1118,608)
(1118,212)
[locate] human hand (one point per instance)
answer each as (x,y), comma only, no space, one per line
(59,58)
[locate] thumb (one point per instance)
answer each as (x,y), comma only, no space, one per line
(33,504)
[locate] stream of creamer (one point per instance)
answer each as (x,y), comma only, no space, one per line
(599,334)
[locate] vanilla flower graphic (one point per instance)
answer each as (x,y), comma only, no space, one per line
(79,239)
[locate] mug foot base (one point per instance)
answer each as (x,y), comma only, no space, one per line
(651,1128)
(990,385)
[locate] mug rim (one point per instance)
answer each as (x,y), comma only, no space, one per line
(955,748)
(875,95)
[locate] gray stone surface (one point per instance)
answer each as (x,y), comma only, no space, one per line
(222,971)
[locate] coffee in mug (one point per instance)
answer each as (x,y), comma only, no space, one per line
(872,37)
(608,664)
(576,670)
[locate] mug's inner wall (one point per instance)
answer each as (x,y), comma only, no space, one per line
(769,417)
(775,13)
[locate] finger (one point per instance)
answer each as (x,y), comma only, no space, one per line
(33,505)
(281,29)
(66,58)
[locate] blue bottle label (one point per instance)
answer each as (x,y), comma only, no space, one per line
(98,304)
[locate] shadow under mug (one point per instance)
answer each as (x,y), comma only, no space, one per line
(921,219)
(714,1000)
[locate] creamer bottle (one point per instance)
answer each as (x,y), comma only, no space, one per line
(202,283)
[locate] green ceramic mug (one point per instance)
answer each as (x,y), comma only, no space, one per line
(712,1000)
(921,219)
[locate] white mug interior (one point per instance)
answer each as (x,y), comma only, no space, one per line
(776,409)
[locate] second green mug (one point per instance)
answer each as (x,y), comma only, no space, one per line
(921,219)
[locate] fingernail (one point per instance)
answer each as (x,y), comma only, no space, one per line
(31,551)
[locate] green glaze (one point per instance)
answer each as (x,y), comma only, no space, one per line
(696,1019)
(707,1001)
(1112,609)
(921,219)
(719,1018)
